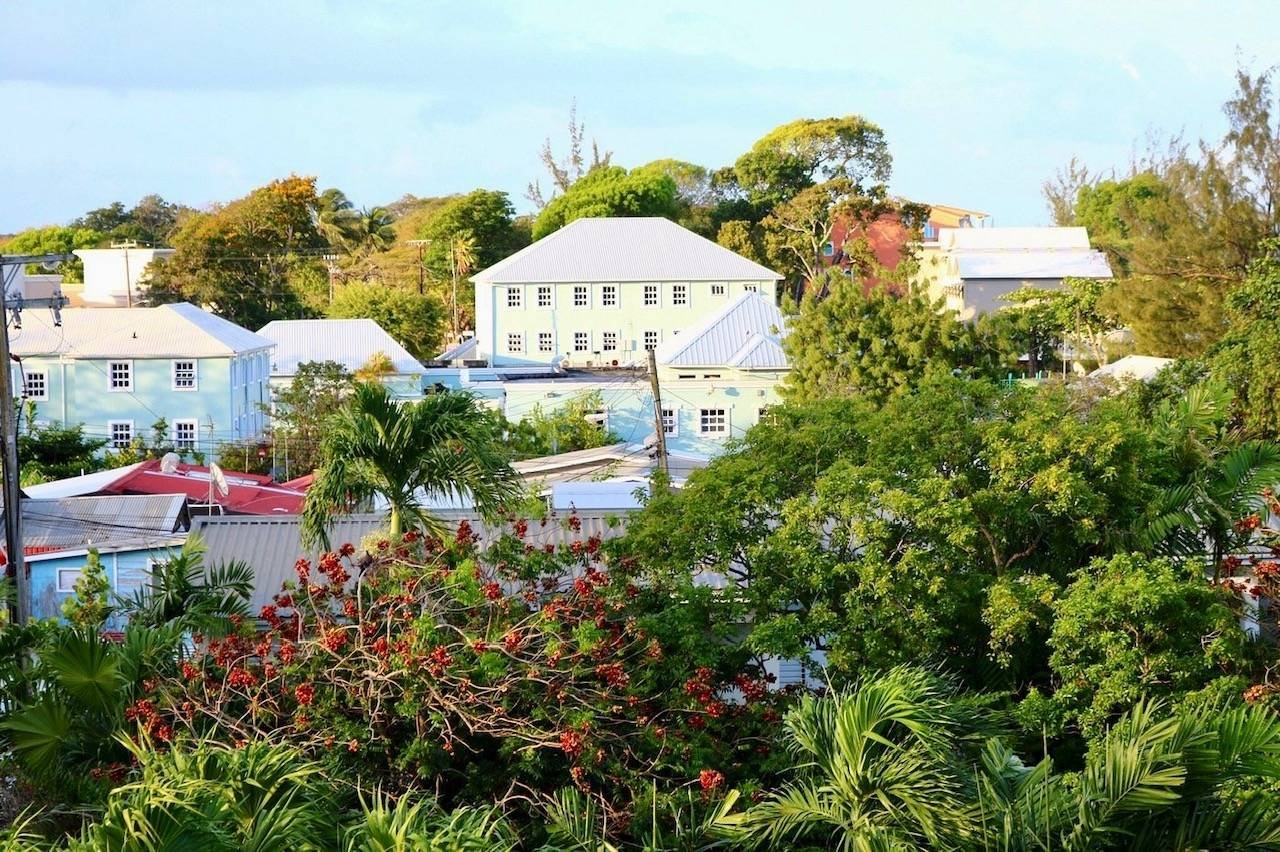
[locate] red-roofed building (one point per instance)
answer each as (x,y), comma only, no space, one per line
(887,236)
(247,493)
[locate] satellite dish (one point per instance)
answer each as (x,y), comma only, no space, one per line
(215,473)
(169,463)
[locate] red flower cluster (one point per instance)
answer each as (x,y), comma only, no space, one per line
(571,743)
(612,674)
(710,779)
(493,591)
(438,660)
(1248,524)
(305,693)
(335,640)
(303,569)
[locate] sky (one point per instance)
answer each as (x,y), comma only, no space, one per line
(200,102)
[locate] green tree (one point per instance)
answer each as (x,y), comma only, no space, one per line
(57,452)
(55,239)
(1132,627)
(183,593)
(89,607)
(870,341)
(240,259)
(563,429)
(484,216)
(610,191)
(1243,358)
(317,389)
(415,321)
(794,156)
(405,454)
(1074,314)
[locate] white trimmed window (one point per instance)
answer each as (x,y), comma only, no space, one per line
(544,341)
(119,375)
(751,288)
(670,422)
(544,296)
(184,375)
(515,342)
(713,421)
(609,295)
(121,432)
(609,341)
(651,295)
(600,418)
(515,298)
(35,385)
(185,434)
(717,289)
(67,578)
(581,296)
(650,340)
(581,341)
(679,294)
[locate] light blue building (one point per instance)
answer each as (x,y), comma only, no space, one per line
(716,379)
(352,343)
(130,532)
(117,371)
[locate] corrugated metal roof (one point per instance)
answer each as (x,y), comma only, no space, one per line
(966,239)
(615,461)
(271,546)
(1141,367)
(167,331)
(113,521)
(623,249)
(465,349)
(78,486)
(350,342)
(745,333)
(1032,264)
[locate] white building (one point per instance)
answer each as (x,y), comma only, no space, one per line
(113,276)
(973,269)
(352,343)
(600,292)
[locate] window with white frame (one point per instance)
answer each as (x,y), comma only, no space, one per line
(670,423)
(679,294)
(544,296)
(544,342)
(609,295)
(713,421)
(120,375)
(515,342)
(67,578)
(751,288)
(35,385)
(651,295)
(185,434)
(717,289)
(650,340)
(609,341)
(184,375)
(581,341)
(515,298)
(581,296)
(600,418)
(121,433)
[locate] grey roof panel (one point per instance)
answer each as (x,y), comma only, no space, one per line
(732,337)
(623,249)
(105,522)
(167,331)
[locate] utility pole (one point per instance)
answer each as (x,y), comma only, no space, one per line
(12,492)
(660,431)
(128,281)
(422,247)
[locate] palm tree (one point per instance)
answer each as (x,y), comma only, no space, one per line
(337,219)
(1219,479)
(182,593)
(377,228)
(883,766)
(462,257)
(407,453)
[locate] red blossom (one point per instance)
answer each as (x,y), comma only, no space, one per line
(305,693)
(492,591)
(710,779)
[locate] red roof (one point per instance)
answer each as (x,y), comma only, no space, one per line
(248,493)
(302,483)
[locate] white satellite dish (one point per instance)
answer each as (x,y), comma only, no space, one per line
(169,463)
(216,475)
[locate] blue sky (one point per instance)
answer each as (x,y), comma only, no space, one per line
(201,102)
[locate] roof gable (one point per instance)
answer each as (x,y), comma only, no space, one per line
(349,342)
(623,249)
(746,333)
(166,331)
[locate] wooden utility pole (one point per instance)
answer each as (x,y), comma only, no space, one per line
(422,245)
(12,491)
(659,429)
